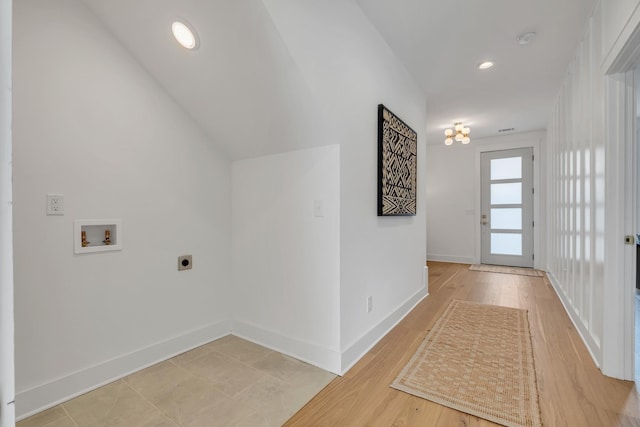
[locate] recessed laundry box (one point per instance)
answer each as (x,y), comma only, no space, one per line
(97,235)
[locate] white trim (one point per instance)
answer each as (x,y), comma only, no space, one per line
(630,215)
(47,395)
(7,382)
(629,224)
(322,357)
(451,258)
(354,352)
(618,341)
(592,346)
(625,51)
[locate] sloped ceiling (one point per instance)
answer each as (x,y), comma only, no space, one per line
(244,89)
(241,86)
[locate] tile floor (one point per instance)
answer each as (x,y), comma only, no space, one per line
(228,382)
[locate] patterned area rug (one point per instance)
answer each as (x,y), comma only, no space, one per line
(506,270)
(477,359)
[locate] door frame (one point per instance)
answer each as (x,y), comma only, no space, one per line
(522,140)
(618,338)
(7,370)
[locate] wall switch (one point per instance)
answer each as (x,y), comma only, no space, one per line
(55,204)
(318,209)
(184,262)
(369,304)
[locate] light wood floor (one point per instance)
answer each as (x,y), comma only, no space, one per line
(572,390)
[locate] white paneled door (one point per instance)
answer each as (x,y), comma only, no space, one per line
(507,207)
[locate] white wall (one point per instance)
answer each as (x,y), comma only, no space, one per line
(286,259)
(91,124)
(350,70)
(451,203)
(453,196)
(591,156)
(7,386)
(576,190)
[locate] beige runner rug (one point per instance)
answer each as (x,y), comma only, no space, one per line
(507,270)
(477,359)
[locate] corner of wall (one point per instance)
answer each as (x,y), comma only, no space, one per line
(63,388)
(592,345)
(356,350)
(308,352)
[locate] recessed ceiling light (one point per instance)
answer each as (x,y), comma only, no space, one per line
(485,65)
(184,35)
(526,38)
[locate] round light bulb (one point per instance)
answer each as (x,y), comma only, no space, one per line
(184,35)
(458,127)
(466,131)
(448,141)
(448,132)
(466,140)
(485,65)
(459,137)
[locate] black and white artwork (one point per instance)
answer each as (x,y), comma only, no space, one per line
(397,165)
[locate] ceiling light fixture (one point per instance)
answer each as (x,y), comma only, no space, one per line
(486,65)
(184,35)
(459,132)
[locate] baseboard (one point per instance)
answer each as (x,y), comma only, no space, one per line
(317,355)
(366,342)
(592,346)
(450,258)
(45,396)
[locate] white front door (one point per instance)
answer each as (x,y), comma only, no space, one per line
(507,207)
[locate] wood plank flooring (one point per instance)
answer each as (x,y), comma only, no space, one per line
(572,390)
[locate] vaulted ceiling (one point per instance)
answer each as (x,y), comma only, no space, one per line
(243,88)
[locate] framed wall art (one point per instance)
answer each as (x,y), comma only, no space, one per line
(397,165)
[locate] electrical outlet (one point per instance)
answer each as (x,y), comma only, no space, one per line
(55,204)
(185,262)
(369,304)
